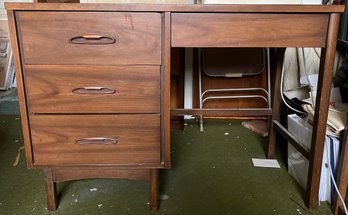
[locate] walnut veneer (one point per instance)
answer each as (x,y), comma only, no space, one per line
(94,80)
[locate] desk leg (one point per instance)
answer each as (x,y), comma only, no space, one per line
(321,112)
(51,190)
(154,189)
(276,102)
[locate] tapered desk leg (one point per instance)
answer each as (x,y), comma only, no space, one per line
(276,102)
(321,112)
(51,190)
(154,184)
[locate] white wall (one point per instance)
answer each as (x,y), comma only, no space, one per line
(2,7)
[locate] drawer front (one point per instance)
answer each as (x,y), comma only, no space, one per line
(92,140)
(248,30)
(90,37)
(82,89)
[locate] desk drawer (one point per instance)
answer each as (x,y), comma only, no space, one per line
(101,139)
(90,37)
(94,89)
(248,30)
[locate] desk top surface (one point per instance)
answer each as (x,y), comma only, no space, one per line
(178,8)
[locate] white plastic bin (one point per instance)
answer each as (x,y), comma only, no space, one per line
(298,164)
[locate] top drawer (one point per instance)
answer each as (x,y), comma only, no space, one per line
(248,30)
(90,37)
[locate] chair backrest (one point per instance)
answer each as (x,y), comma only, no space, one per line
(236,62)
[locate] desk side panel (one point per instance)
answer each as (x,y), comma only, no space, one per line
(20,86)
(249,30)
(166,67)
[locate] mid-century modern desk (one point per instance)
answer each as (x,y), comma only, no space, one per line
(94,80)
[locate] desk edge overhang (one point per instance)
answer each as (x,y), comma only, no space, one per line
(177,7)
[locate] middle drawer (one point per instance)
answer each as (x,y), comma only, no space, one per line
(92,89)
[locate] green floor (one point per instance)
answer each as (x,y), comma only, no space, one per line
(212,174)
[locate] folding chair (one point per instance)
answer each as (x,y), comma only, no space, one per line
(231,64)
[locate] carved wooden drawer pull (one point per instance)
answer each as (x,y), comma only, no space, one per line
(94,90)
(97,140)
(92,39)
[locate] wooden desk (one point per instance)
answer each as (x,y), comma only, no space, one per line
(45,42)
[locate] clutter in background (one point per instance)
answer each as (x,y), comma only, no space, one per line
(299,91)
(301,68)
(6,62)
(298,164)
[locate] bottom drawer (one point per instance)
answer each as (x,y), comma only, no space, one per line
(95,139)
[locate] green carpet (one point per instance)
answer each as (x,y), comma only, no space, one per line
(212,174)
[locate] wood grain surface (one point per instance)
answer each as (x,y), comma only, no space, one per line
(180,8)
(53,139)
(50,89)
(248,30)
(45,37)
